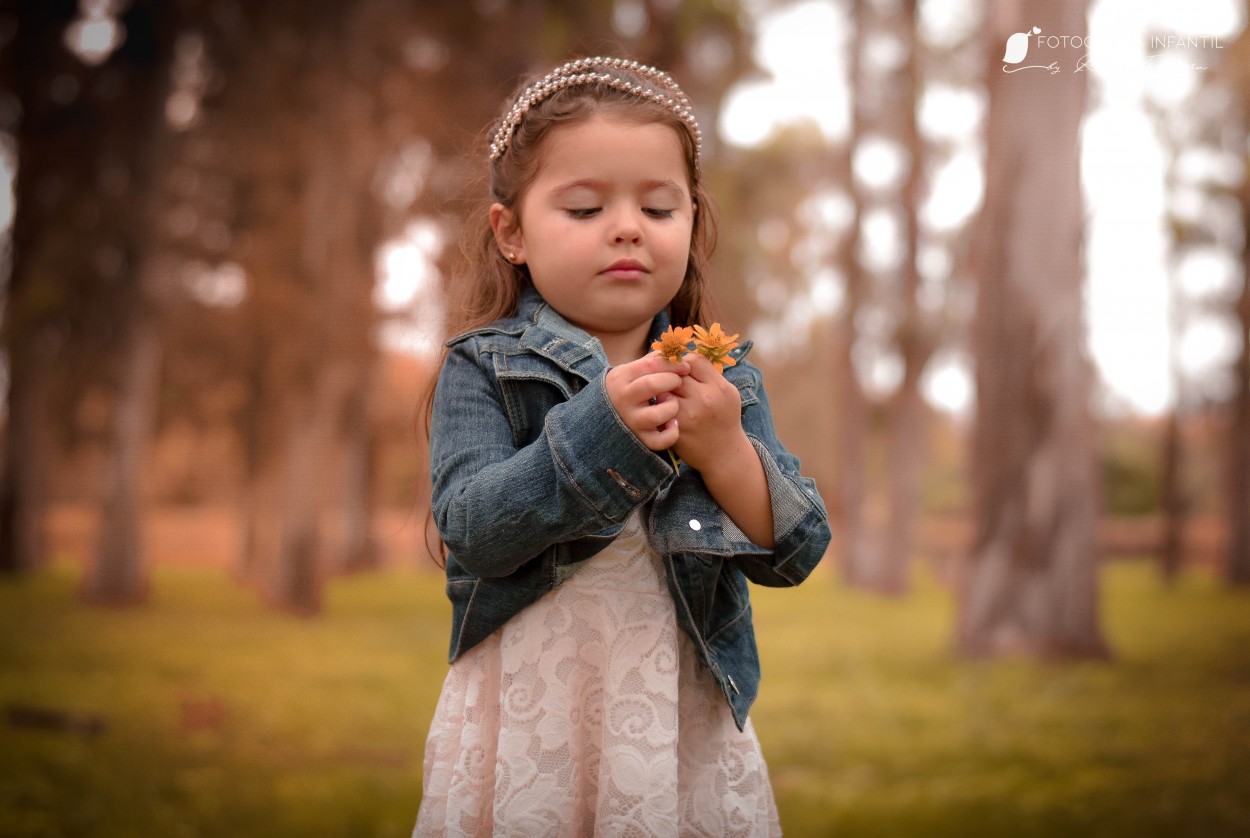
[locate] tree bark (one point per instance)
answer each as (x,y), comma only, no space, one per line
(853,534)
(1030,585)
(905,430)
(1235,71)
(359,550)
(252,507)
(336,271)
(119,574)
(1172,497)
(296,583)
(879,524)
(136,136)
(33,327)
(1238,560)
(27,456)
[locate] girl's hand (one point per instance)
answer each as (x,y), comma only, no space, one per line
(642,393)
(710,413)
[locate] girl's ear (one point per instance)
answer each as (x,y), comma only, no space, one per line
(508,236)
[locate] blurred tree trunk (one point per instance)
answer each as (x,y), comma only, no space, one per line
(86,158)
(1172,497)
(853,534)
(27,449)
(134,134)
(1031,582)
(119,574)
(251,511)
(33,328)
(359,550)
(879,525)
(336,265)
(1172,481)
(297,575)
(1236,70)
(296,131)
(1238,560)
(906,427)
(1227,132)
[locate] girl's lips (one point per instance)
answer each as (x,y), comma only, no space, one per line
(626,269)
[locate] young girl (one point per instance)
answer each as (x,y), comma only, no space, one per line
(603,657)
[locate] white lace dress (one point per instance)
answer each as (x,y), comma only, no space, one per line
(589,714)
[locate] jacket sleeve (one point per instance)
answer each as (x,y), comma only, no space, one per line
(693,522)
(496,505)
(800,521)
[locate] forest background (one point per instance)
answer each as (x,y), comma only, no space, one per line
(229,226)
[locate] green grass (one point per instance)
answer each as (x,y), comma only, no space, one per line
(221,718)
(877,730)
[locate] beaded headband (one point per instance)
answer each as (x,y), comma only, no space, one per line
(582,72)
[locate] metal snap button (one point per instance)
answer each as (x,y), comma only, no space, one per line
(695,525)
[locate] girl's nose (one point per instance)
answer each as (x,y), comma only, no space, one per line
(627,229)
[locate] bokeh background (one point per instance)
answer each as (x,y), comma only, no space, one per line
(992,255)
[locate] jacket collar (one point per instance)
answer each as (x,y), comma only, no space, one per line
(548,334)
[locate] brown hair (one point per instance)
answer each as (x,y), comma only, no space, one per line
(488,285)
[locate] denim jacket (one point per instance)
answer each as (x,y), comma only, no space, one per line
(534,472)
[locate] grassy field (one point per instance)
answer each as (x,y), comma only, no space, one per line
(203,713)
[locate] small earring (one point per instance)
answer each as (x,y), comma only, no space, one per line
(511,256)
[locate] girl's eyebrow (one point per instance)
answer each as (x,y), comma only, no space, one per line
(668,185)
(599,185)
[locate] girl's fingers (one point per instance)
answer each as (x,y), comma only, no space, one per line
(655,425)
(649,365)
(653,416)
(655,362)
(652,386)
(701,369)
(661,438)
(642,393)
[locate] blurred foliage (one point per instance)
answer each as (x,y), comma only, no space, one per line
(219,717)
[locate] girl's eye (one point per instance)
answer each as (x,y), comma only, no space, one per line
(582,213)
(658,213)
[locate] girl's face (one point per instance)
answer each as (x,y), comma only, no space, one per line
(605,227)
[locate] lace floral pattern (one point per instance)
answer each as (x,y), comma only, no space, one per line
(588,714)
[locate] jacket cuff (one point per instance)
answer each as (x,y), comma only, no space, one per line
(792,501)
(798,517)
(603,459)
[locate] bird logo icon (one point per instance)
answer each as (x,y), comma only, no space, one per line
(1018,46)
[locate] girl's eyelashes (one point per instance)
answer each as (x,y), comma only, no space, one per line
(591,212)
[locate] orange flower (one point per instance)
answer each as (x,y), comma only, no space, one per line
(675,343)
(714,345)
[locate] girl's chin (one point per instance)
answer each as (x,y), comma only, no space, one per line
(613,330)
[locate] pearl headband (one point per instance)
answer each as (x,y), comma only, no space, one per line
(582,72)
